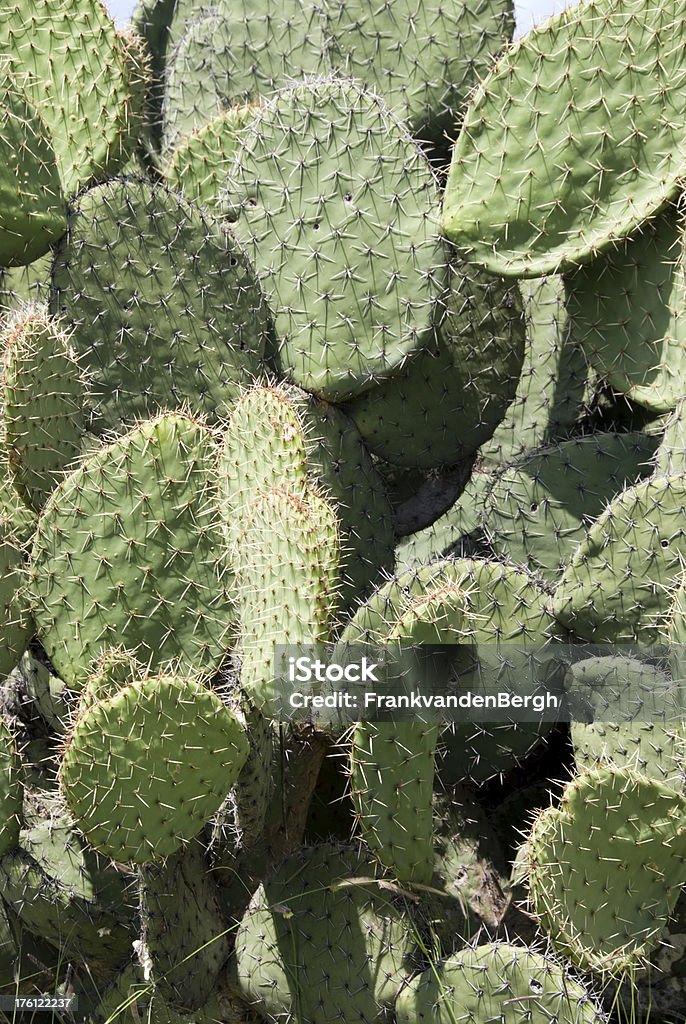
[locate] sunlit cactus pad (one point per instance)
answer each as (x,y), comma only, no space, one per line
(529,193)
(135,526)
(338,209)
(145,768)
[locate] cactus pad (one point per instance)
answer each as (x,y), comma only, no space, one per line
(144,769)
(529,194)
(496,982)
(42,401)
(162,308)
(604,867)
(124,548)
(626,309)
(337,207)
(446,404)
(79,73)
(287,946)
(617,586)
(540,508)
(33,212)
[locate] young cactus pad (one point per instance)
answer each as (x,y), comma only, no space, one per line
(144,769)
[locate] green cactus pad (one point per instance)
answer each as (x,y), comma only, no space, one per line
(68,894)
(392,776)
(670,458)
(255,785)
(151,20)
(553,382)
(11,798)
(540,508)
(48,693)
(346,248)
(640,694)
(605,867)
(42,403)
(199,165)
(529,193)
(626,309)
(446,404)
(617,585)
(125,548)
(29,285)
(278,436)
(144,769)
(162,308)
(290,542)
(33,212)
(288,946)
(392,763)
(78,72)
(423,58)
(446,537)
(231,53)
(506,617)
(185,934)
(497,982)
(112,671)
(16,627)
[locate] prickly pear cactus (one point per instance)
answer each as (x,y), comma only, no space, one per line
(595,191)
(609,821)
(32,207)
(150,571)
(493,982)
(352,277)
(163,742)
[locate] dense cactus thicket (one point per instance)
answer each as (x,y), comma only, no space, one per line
(335,327)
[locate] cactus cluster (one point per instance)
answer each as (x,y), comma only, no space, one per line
(332,327)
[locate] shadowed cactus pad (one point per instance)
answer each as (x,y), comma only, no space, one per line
(627,309)
(337,207)
(618,583)
(571,141)
(68,894)
(162,307)
(80,74)
(496,982)
(33,212)
(553,382)
(126,547)
(144,769)
(15,623)
(288,944)
(604,867)
(445,404)
(42,402)
(10,790)
(424,58)
(541,507)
